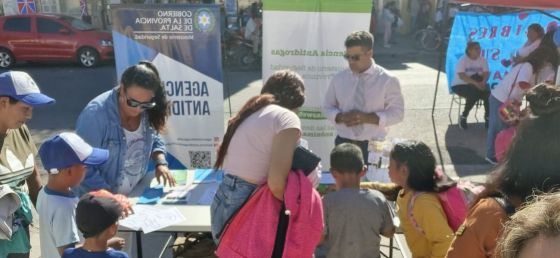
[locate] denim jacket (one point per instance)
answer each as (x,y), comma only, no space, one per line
(99,124)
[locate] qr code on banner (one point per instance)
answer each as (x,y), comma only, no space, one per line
(200,159)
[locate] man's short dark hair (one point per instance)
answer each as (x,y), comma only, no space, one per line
(359,38)
(347,157)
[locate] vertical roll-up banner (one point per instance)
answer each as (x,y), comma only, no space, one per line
(183,41)
(307,36)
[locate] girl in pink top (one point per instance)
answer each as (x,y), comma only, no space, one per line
(258,146)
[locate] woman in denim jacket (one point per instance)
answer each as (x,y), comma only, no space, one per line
(127,121)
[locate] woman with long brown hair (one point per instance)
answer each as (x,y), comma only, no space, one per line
(258,146)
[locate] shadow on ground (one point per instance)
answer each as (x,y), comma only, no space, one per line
(466,146)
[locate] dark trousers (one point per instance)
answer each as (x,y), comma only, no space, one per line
(362,144)
(472,94)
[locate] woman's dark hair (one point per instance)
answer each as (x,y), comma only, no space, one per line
(537,28)
(470,45)
(540,56)
(531,162)
(421,164)
(146,76)
(284,88)
(548,41)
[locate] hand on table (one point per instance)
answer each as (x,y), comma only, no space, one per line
(165,173)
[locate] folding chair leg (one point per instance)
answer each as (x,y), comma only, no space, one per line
(459,110)
(451,109)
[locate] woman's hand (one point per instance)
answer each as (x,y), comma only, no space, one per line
(163,171)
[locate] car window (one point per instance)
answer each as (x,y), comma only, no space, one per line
(77,23)
(20,24)
(48,26)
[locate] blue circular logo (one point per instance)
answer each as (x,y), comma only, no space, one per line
(205,20)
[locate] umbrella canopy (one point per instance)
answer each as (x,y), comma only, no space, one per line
(533,4)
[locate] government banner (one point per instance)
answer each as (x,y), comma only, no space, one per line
(183,41)
(499,35)
(307,36)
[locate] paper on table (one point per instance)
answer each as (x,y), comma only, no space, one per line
(149,218)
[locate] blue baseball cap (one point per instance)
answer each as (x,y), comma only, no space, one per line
(68,149)
(20,86)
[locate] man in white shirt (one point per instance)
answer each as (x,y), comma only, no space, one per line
(365,99)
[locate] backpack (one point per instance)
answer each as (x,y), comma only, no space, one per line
(453,204)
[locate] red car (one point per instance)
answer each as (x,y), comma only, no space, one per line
(49,37)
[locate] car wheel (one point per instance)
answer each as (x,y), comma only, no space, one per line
(88,57)
(7,60)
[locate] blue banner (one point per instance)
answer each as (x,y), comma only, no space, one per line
(500,36)
(183,42)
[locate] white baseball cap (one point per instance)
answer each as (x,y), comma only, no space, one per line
(68,149)
(20,86)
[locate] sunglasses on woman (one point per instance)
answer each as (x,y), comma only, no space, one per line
(143,105)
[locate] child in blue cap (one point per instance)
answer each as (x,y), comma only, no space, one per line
(65,157)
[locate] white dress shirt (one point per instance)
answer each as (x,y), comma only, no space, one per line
(383,96)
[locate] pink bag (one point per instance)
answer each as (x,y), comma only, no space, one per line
(510,110)
(454,206)
(503,140)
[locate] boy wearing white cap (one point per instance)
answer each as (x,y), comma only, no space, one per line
(19,94)
(65,157)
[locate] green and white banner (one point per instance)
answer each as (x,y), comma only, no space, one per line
(307,36)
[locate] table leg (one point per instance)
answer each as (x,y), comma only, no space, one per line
(139,244)
(171,236)
(391,247)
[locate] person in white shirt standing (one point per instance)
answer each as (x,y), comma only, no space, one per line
(523,76)
(364,99)
(471,74)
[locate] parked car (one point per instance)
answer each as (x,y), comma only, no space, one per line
(52,37)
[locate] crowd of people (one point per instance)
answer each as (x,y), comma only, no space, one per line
(118,133)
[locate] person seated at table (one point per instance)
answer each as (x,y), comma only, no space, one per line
(471,74)
(97,217)
(412,166)
(355,218)
(65,157)
(258,146)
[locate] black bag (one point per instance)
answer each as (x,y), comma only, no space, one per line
(305,160)
(194,245)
